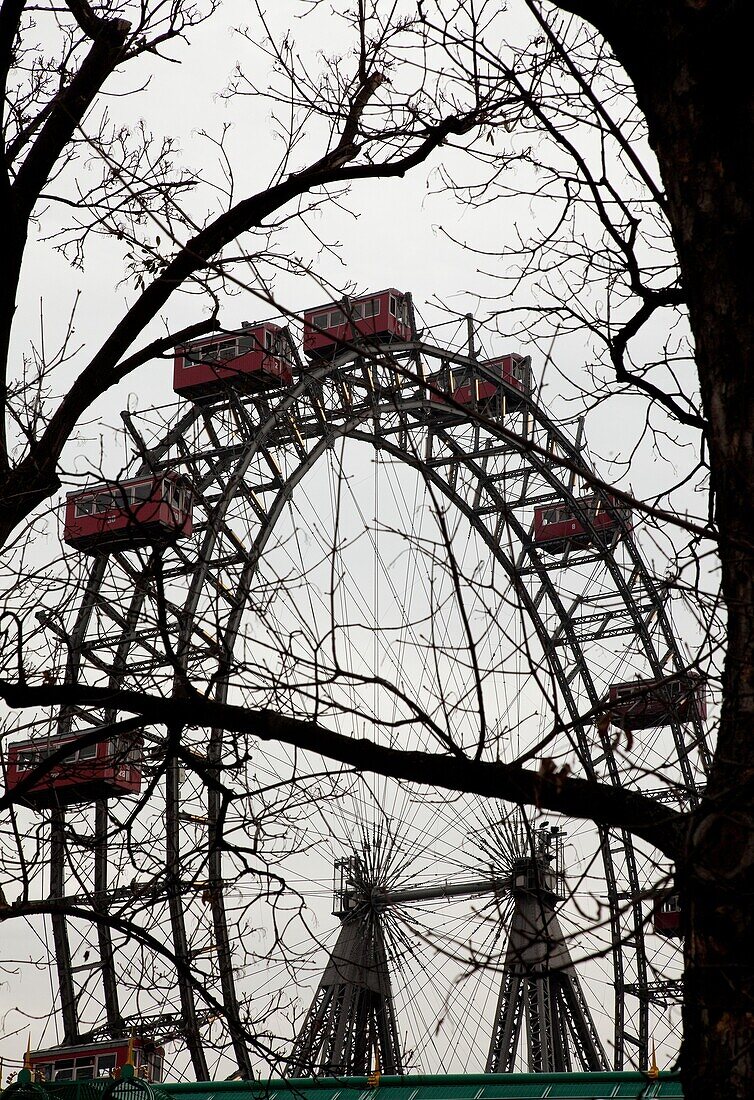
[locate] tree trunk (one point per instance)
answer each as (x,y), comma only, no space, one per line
(691,66)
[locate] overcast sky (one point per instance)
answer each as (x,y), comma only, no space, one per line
(393,233)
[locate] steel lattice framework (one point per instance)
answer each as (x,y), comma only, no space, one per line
(149,619)
(352,1015)
(540,988)
(350,1028)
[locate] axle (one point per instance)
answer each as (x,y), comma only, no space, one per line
(447,890)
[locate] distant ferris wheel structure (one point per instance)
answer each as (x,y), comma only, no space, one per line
(178,554)
(351,1024)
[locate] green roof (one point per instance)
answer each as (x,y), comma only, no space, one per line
(504,1086)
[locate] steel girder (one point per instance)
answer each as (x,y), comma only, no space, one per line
(541,989)
(247,437)
(350,1028)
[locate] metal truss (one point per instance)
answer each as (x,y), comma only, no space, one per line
(245,457)
(350,1027)
(662,993)
(540,992)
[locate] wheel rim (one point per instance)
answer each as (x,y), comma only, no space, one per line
(248,460)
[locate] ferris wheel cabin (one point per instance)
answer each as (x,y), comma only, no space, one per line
(472,389)
(666,916)
(110,768)
(644,704)
(374,319)
(149,510)
(105,1059)
(254,359)
(557,527)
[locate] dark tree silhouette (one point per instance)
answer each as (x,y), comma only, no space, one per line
(54,109)
(681,65)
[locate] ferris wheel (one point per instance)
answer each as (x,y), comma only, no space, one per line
(388,532)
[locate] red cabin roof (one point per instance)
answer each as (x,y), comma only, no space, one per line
(145,510)
(557,526)
(110,768)
(644,704)
(253,359)
(377,318)
(104,1059)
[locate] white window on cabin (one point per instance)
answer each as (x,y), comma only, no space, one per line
(173,493)
(337,317)
(370,307)
(322,320)
(84,1068)
(28,759)
(197,355)
(138,494)
(222,350)
(64,1069)
(399,309)
(87,752)
(84,506)
(104,502)
(106,1065)
(228,349)
(282,348)
(155,1067)
(518,370)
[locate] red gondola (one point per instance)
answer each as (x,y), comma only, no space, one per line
(470,388)
(375,318)
(109,768)
(643,704)
(666,916)
(145,510)
(253,359)
(105,1059)
(557,527)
